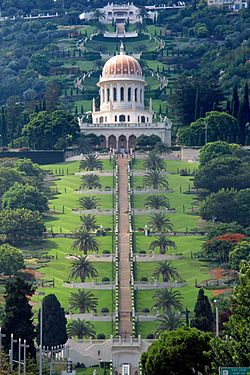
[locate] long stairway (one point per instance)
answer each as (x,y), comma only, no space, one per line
(125,325)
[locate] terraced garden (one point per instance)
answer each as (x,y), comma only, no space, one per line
(64,219)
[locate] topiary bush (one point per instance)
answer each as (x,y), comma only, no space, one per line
(101,336)
(105,280)
(145,310)
(144,278)
(104,310)
(150,336)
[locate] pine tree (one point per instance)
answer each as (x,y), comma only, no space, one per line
(18,318)
(244,115)
(235,102)
(203,320)
(54,322)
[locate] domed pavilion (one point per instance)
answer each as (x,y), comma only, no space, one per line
(122,116)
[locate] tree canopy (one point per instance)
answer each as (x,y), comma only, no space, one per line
(54,322)
(178,352)
(11,260)
(45,129)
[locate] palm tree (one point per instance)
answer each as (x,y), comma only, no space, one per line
(83,300)
(166,270)
(160,222)
(141,27)
(85,241)
(81,329)
(163,242)
(88,223)
(155,180)
(154,162)
(98,15)
(100,28)
(143,13)
(167,299)
(156,202)
(88,203)
(91,181)
(91,162)
(82,267)
(169,321)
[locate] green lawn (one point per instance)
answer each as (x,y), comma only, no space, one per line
(184,219)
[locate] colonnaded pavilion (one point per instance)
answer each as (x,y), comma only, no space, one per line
(122,116)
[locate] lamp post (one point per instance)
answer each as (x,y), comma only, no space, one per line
(41,337)
(216,317)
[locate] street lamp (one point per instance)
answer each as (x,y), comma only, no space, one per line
(41,337)
(216,317)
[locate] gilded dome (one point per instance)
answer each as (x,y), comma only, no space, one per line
(122,65)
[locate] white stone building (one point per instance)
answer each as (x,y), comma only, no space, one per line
(122,116)
(230,4)
(118,13)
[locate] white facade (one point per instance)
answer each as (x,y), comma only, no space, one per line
(122,93)
(122,116)
(118,13)
(230,4)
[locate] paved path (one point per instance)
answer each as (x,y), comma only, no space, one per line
(125,326)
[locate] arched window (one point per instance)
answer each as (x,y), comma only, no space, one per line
(128,118)
(138,118)
(129,94)
(101,119)
(114,94)
(103,95)
(136,95)
(143,119)
(121,118)
(108,95)
(115,118)
(122,94)
(141,96)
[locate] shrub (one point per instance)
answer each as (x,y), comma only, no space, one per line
(105,280)
(145,310)
(144,278)
(104,310)
(106,252)
(142,252)
(150,336)
(101,336)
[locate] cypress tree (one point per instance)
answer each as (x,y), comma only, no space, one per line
(228,107)
(244,115)
(197,104)
(54,322)
(235,102)
(3,128)
(18,318)
(204,319)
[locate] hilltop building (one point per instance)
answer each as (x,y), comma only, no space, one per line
(122,116)
(118,13)
(229,4)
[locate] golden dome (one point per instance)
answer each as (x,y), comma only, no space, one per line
(122,65)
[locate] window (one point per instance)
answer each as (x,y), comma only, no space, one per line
(115,118)
(122,94)
(143,119)
(136,95)
(128,118)
(122,118)
(103,95)
(114,94)
(129,94)
(108,95)
(141,96)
